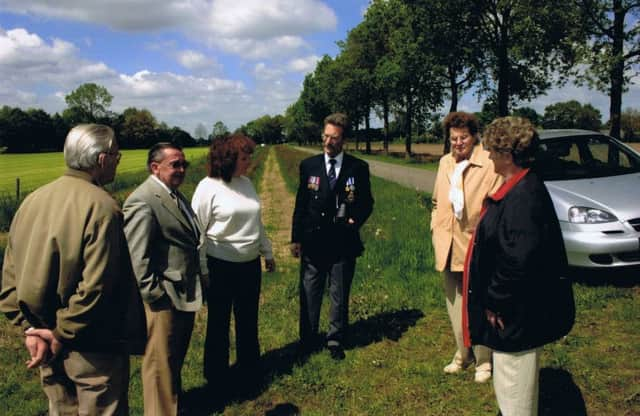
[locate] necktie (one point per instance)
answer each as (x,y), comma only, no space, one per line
(332,173)
(185,211)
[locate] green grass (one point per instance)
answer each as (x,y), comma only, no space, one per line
(36,169)
(400,338)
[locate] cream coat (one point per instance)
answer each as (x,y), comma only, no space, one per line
(448,233)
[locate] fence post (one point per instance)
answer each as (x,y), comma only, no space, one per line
(17,189)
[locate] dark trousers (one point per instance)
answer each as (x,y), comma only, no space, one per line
(313,278)
(237,286)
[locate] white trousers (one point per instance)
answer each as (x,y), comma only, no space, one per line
(515,381)
(463,355)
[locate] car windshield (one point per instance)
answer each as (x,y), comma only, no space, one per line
(584,157)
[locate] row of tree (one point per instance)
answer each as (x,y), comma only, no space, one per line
(407,57)
(34,130)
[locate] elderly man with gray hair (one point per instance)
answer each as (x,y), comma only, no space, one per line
(67,281)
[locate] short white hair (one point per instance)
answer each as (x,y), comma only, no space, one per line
(84,143)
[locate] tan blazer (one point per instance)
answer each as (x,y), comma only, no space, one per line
(164,248)
(449,234)
(67,268)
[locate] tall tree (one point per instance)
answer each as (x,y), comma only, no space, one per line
(138,128)
(219,129)
(613,52)
(528,46)
(92,100)
(630,123)
(450,33)
(200,132)
(571,114)
(417,91)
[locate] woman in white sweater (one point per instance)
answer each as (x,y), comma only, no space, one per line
(228,207)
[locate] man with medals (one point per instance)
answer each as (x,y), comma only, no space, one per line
(333,201)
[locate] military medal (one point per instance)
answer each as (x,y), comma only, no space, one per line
(313,183)
(350,188)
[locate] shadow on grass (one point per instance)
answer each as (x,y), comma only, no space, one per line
(559,395)
(619,277)
(205,400)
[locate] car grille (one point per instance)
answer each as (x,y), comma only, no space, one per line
(635,223)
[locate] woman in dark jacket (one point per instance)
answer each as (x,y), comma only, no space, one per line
(515,298)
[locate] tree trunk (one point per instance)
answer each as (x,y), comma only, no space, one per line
(385,116)
(503,68)
(409,121)
(617,71)
(454,106)
(367,132)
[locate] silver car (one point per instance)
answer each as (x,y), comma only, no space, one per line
(594,181)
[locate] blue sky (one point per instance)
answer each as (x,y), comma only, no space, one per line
(187,61)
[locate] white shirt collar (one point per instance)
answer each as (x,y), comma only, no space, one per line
(166,188)
(338,159)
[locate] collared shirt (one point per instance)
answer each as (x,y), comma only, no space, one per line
(338,158)
(166,188)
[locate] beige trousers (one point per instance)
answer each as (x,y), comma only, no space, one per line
(463,356)
(515,381)
(80,383)
(169,333)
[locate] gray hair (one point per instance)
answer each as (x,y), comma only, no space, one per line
(84,143)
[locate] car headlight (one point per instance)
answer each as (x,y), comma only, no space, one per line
(585,215)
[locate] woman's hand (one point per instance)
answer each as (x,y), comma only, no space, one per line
(270,265)
(494,319)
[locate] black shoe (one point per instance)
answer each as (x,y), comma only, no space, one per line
(337,352)
(306,348)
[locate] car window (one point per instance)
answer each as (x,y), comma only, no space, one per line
(583,157)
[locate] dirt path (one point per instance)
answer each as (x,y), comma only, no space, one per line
(414,178)
(277,208)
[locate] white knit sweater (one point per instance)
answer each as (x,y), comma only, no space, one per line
(231,217)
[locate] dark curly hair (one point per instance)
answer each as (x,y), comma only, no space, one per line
(460,119)
(223,155)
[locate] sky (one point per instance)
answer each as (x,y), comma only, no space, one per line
(188,61)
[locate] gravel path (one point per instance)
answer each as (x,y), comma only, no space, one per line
(414,178)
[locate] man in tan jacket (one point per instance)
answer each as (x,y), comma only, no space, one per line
(465,178)
(67,281)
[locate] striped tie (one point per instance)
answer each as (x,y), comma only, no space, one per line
(332,173)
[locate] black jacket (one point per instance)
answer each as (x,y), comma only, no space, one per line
(517,260)
(318,223)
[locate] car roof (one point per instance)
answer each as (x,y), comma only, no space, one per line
(555,133)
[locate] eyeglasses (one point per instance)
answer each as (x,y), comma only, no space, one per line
(117,154)
(177,164)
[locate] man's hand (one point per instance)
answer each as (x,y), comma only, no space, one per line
(270,265)
(38,350)
(296,249)
(42,346)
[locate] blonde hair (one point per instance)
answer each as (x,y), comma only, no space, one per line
(515,135)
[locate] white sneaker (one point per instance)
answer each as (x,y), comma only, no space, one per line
(453,367)
(482,376)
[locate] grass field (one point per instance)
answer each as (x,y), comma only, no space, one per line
(400,334)
(35,169)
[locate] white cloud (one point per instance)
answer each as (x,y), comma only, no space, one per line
(256,19)
(28,63)
(304,65)
(251,28)
(264,73)
(259,49)
(196,61)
